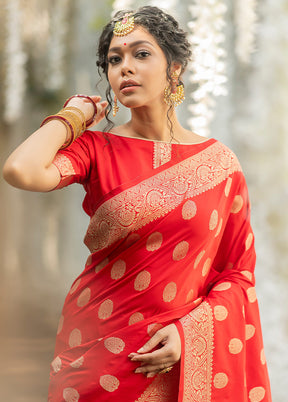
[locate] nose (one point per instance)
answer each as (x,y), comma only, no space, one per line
(127,67)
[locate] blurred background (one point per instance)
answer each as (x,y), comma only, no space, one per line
(236,91)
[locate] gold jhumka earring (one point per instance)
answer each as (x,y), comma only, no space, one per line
(174,95)
(115,107)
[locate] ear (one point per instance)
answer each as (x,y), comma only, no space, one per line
(176,68)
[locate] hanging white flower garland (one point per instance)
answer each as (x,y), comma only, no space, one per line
(245,17)
(15,60)
(208,65)
(57,46)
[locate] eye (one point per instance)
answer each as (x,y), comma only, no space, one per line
(142,54)
(114,60)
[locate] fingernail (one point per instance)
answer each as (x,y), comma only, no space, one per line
(149,375)
(137,371)
(140,350)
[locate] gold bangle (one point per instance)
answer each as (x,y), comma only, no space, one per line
(76,109)
(74,119)
(69,128)
(75,123)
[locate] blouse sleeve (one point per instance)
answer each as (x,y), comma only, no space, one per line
(221,338)
(75,162)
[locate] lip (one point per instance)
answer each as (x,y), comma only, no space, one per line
(128,84)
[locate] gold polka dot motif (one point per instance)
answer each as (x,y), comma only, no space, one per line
(180,251)
(249,331)
(220,380)
(109,382)
(222,287)
(237,204)
(249,241)
(251,294)
(77,363)
(75,338)
(189,210)
(56,364)
(257,394)
(118,269)
(114,345)
(154,241)
(228,186)
(105,309)
(170,292)
(84,297)
(198,258)
(136,317)
(213,220)
(71,395)
(235,346)
(142,281)
(220,313)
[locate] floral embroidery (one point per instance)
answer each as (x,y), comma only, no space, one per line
(159,390)
(64,165)
(162,154)
(155,197)
(198,333)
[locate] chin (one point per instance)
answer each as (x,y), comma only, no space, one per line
(133,105)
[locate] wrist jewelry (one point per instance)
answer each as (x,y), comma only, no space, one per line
(90,100)
(75,123)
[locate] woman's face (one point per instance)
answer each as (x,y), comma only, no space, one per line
(137,69)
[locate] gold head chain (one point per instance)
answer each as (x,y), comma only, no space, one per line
(125,26)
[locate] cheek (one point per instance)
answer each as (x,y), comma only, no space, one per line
(110,78)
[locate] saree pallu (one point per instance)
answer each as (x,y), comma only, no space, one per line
(170,242)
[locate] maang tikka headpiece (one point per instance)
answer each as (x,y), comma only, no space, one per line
(125,26)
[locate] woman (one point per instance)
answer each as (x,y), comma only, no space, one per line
(165,309)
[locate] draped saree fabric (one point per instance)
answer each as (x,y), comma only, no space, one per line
(170,242)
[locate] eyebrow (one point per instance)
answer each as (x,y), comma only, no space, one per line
(133,44)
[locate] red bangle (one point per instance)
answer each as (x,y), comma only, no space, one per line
(91,101)
(68,142)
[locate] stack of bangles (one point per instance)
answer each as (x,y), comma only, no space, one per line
(73,118)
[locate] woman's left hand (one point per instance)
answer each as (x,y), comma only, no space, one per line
(169,352)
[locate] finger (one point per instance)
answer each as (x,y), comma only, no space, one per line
(159,355)
(101,108)
(103,105)
(157,338)
(95,98)
(153,368)
(152,374)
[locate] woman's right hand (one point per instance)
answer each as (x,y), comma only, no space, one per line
(87,108)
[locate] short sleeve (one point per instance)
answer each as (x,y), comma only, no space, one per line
(74,163)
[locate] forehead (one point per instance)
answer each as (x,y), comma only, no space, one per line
(138,34)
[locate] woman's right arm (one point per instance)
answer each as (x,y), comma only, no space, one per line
(30,166)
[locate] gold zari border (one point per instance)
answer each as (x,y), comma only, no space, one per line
(199,339)
(159,390)
(64,165)
(158,195)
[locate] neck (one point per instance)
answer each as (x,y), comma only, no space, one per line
(150,124)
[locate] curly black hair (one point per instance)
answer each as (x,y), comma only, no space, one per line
(166,31)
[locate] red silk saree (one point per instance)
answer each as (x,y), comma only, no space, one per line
(170,242)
